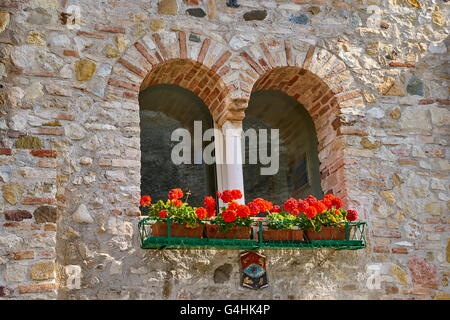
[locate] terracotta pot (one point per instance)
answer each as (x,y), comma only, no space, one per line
(159,229)
(237,232)
(283,235)
(327,233)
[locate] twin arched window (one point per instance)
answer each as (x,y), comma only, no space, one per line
(165,108)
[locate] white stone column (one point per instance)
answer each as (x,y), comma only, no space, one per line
(219,146)
(231,171)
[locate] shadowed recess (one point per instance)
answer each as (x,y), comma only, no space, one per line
(163,109)
(299,174)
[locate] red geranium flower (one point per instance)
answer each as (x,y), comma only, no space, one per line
(295,212)
(211,211)
(145,201)
(236,194)
(352,215)
(327,202)
(178,203)
(269,206)
(254,209)
(263,205)
(209,202)
(290,205)
(337,202)
(175,194)
(227,196)
(233,205)
(276,209)
(162,214)
(229,215)
(311,212)
(302,205)
(320,206)
(311,200)
(243,211)
(201,213)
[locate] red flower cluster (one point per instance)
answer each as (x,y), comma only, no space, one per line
(332,201)
(229,195)
(254,209)
(291,205)
(209,202)
(229,215)
(243,211)
(352,215)
(276,209)
(175,194)
(236,210)
(260,205)
(162,213)
(145,201)
(310,212)
(201,213)
(210,205)
(178,203)
(311,206)
(302,205)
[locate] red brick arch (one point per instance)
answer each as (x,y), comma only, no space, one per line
(197,66)
(194,76)
(320,82)
(225,79)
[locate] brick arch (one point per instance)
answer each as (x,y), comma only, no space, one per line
(200,66)
(320,82)
(193,76)
(315,77)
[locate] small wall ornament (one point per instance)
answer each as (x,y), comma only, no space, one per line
(254,272)
(233,4)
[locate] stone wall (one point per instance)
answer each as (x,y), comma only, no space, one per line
(377,90)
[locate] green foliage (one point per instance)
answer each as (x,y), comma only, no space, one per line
(282,221)
(183,214)
(328,218)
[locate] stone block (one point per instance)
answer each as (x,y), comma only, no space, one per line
(42,271)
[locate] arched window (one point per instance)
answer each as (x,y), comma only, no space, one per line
(163,109)
(298,174)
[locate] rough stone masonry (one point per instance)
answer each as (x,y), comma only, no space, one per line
(372,74)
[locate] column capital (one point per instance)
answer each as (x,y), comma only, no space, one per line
(234,111)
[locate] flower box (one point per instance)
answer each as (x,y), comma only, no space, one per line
(282,235)
(327,233)
(236,232)
(160,229)
(293,227)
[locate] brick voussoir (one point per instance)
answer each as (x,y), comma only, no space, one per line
(132,67)
(123,84)
(145,53)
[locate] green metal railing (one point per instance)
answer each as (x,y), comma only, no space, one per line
(351,237)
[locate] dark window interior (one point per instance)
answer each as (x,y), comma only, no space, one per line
(299,174)
(164,108)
